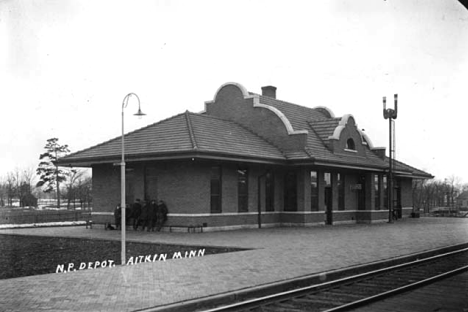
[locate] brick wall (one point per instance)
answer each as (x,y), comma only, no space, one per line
(366,216)
(106,188)
(185,187)
(406,192)
(349,132)
(344,216)
(315,217)
(290,217)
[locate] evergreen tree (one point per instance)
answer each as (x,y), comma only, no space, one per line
(50,174)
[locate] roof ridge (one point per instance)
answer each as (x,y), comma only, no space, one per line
(290,103)
(120,136)
(328,119)
(190,128)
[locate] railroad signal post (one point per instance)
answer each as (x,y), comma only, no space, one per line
(390,114)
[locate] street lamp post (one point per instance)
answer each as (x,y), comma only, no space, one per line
(390,114)
(122,174)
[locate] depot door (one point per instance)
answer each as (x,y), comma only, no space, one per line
(361,192)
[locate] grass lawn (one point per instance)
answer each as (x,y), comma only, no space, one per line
(33,255)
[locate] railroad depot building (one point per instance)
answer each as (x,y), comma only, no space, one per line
(250,161)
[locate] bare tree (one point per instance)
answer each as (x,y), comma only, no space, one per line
(84,189)
(437,193)
(18,185)
(464,187)
(29,176)
(74,178)
(3,191)
(27,186)
(429,196)
(19,189)
(454,188)
(10,188)
(419,196)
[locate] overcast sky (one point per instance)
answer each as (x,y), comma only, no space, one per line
(66,65)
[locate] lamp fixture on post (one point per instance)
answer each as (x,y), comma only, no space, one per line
(122,174)
(390,114)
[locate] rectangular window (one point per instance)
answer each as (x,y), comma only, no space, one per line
(269,192)
(327,179)
(242,190)
(341,191)
(385,190)
(216,189)
(290,191)
(377,191)
(314,191)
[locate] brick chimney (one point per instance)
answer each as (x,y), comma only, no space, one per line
(380,152)
(269,91)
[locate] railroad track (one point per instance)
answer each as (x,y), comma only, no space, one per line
(357,290)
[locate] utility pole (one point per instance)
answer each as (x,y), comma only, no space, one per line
(390,114)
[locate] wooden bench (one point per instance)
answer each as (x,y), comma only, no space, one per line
(190,228)
(90,223)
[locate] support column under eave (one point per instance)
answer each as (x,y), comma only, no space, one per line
(334,185)
(370,191)
(321,190)
(382,193)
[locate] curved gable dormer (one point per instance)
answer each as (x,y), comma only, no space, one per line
(233,102)
(325,111)
(347,139)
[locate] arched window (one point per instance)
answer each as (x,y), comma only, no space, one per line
(350,144)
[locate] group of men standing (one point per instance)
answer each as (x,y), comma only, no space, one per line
(149,215)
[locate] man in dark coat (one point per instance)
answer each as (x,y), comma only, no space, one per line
(152,215)
(128,214)
(161,215)
(136,211)
(143,218)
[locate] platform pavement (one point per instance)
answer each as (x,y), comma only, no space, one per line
(278,254)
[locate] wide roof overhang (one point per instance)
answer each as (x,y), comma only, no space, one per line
(216,156)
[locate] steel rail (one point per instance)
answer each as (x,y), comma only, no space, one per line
(396,290)
(255,302)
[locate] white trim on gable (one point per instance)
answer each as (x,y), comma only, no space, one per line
(280,115)
(368,140)
(340,127)
(326,109)
(256,101)
(244,91)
